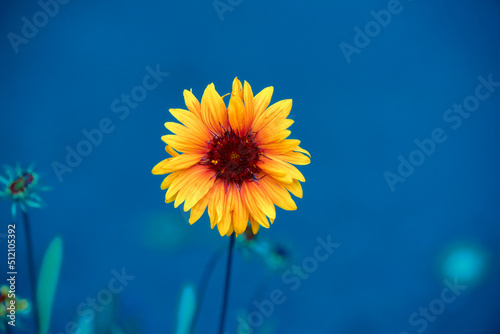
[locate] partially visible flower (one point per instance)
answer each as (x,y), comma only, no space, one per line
(274,255)
(9,305)
(21,186)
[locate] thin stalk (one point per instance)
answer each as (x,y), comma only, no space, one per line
(226,285)
(31,267)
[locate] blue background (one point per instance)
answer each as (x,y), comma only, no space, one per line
(355,118)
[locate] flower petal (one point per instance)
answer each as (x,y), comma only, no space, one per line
(171,151)
(295,188)
(262,100)
(278,194)
(237,115)
(183,179)
(192,103)
(274,170)
(198,184)
(237,90)
(213,110)
(249,101)
(275,132)
(169,179)
(186,133)
(285,146)
(191,122)
(257,205)
(301,150)
(183,144)
(213,202)
(240,212)
(225,221)
(230,230)
(295,158)
(182,161)
(198,209)
(255,225)
(279,110)
(277,167)
(202,187)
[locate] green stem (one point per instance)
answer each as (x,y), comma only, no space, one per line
(226,285)
(31,267)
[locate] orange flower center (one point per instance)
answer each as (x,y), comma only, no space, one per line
(233,157)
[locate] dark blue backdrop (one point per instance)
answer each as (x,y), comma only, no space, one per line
(361,99)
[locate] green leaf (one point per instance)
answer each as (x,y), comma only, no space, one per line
(187,309)
(47,282)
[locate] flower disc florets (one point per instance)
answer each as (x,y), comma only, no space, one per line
(233,157)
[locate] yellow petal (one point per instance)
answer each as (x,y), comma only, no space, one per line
(262,100)
(183,144)
(253,208)
(213,202)
(230,230)
(202,187)
(261,199)
(255,225)
(224,224)
(301,150)
(278,194)
(224,204)
(240,212)
(237,90)
(275,132)
(184,178)
(295,158)
(285,146)
(213,110)
(279,110)
(192,103)
(275,166)
(198,184)
(249,102)
(237,115)
(191,122)
(182,161)
(188,134)
(198,209)
(275,170)
(159,168)
(171,151)
(169,179)
(295,188)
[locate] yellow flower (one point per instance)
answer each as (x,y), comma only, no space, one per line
(236,160)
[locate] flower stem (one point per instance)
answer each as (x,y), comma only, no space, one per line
(227,283)
(31,267)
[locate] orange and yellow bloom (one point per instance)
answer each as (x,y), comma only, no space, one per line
(235,160)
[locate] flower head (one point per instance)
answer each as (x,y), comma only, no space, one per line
(21,186)
(9,305)
(235,160)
